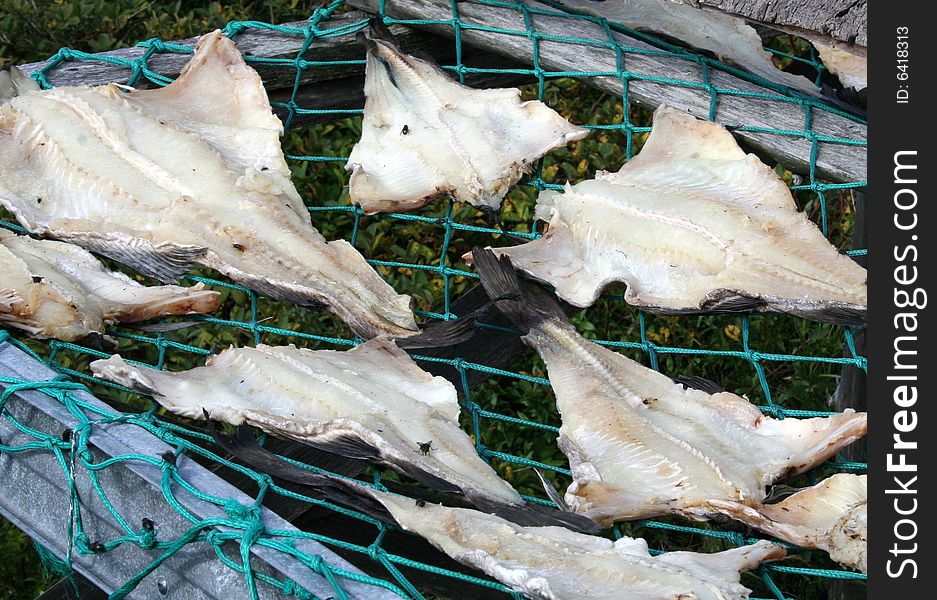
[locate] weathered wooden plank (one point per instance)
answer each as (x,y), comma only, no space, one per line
(257,43)
(348,93)
(835,162)
(842,20)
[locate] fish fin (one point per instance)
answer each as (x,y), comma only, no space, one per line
(345,492)
(535,515)
(441,334)
(524,303)
(346,444)
(243,444)
(847,316)
(699,383)
(552,493)
(164,327)
(100,342)
(727,301)
(165,261)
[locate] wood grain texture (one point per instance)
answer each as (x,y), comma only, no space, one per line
(842,20)
(835,162)
(252,42)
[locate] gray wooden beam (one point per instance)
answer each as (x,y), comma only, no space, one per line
(842,20)
(835,162)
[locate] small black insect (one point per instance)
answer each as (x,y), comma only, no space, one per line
(38,200)
(97,547)
(168,457)
(148,524)
(405,130)
(424,447)
(264,168)
(37,279)
(67,435)
(420,502)
(237,246)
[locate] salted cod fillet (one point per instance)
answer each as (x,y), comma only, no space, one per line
(692,224)
(553,563)
(56,290)
(642,445)
(730,38)
(371,402)
(194,171)
(425,135)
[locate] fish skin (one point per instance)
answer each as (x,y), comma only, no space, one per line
(193,171)
(640,444)
(730,38)
(371,402)
(692,225)
(52,289)
(553,563)
(425,135)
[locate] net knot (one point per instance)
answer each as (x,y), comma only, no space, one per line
(154,44)
(375,552)
(233,28)
(291,588)
(237,510)
(146,538)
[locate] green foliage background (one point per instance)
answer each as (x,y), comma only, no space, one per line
(33,30)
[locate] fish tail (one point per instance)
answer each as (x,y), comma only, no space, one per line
(526,304)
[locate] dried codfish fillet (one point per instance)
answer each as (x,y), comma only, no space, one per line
(641,445)
(831,515)
(692,224)
(553,563)
(425,135)
(731,39)
(191,172)
(56,290)
(371,402)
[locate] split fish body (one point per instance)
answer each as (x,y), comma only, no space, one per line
(425,135)
(371,402)
(56,290)
(194,171)
(642,445)
(692,224)
(553,563)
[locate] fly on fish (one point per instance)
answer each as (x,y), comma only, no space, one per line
(56,290)
(194,171)
(642,445)
(691,225)
(371,403)
(425,135)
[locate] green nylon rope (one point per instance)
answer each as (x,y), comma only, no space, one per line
(247,529)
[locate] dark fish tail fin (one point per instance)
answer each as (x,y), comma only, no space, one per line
(441,334)
(523,302)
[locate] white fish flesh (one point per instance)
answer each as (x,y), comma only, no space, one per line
(848,62)
(554,563)
(692,224)
(831,515)
(371,402)
(56,290)
(194,171)
(730,38)
(425,135)
(642,445)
